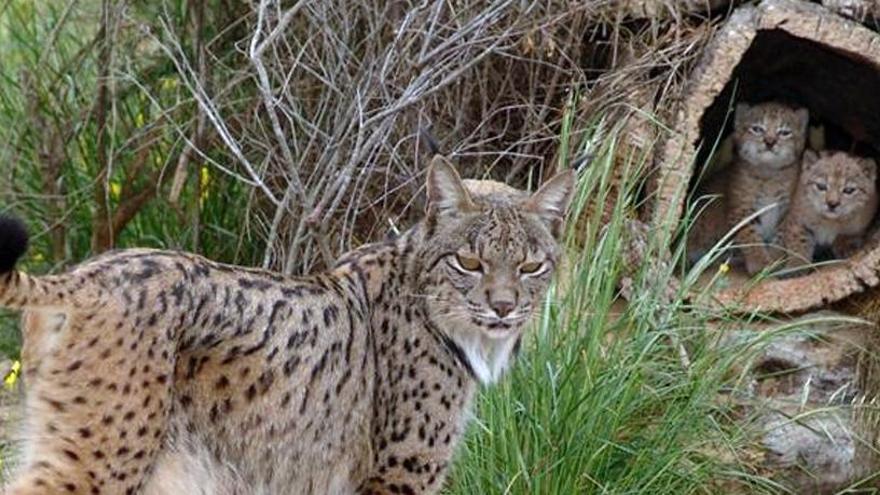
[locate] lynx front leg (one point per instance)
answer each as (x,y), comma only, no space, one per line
(798,244)
(410,475)
(416,432)
(750,239)
(752,246)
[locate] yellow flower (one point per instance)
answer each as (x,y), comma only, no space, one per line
(204,183)
(115,190)
(205,175)
(168,83)
(724,268)
(12,376)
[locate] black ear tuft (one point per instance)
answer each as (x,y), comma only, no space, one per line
(13,242)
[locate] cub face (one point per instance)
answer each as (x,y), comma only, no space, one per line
(836,184)
(770,134)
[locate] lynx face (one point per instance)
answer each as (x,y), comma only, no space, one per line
(837,185)
(496,272)
(491,257)
(770,134)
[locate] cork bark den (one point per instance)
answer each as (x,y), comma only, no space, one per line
(831,67)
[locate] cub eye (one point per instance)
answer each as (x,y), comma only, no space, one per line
(757,129)
(530,267)
(784,132)
(849,190)
(820,186)
(468,263)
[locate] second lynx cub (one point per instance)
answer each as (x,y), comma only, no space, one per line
(835,200)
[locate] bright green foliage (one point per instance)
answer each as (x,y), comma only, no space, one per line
(72,144)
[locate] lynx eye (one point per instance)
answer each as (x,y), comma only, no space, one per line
(849,190)
(757,129)
(530,267)
(469,263)
(820,186)
(784,133)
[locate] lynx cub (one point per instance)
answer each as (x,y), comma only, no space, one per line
(835,201)
(769,139)
(159,372)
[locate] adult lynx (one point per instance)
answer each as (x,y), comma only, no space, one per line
(161,372)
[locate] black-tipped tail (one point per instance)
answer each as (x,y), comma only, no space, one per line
(13,242)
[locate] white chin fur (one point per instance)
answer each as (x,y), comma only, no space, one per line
(489,357)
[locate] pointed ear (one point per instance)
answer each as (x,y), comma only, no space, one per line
(803,118)
(810,157)
(551,200)
(739,115)
(870,167)
(446,192)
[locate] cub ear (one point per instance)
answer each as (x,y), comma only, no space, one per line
(803,118)
(552,199)
(739,114)
(870,167)
(446,192)
(810,157)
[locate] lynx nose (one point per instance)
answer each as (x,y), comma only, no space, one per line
(770,141)
(833,204)
(502,308)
